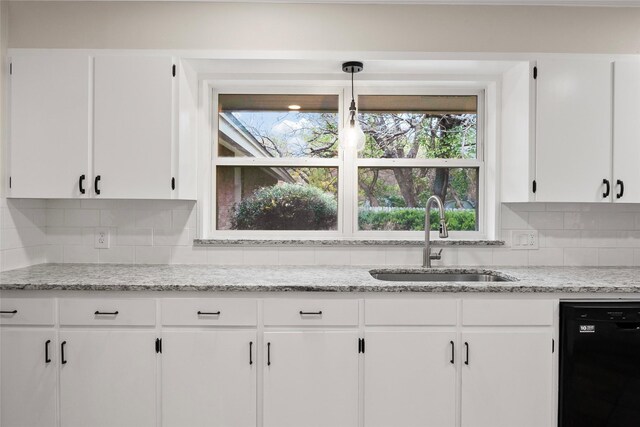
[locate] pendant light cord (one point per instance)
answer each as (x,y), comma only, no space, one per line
(352,107)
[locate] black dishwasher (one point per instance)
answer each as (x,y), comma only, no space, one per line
(599,364)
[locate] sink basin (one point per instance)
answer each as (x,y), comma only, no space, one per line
(440,276)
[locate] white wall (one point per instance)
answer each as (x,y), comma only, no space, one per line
(161,232)
(246,26)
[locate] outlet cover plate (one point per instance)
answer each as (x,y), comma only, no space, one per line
(101,238)
(524,239)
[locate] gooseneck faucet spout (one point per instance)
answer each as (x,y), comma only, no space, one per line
(426,255)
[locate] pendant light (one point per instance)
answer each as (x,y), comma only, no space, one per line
(352,135)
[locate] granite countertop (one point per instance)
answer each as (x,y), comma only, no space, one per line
(120,277)
(344,242)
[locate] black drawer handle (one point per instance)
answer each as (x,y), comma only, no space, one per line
(9,312)
(607,190)
(453,352)
(106,313)
(95,184)
(621,193)
(268,354)
(46,351)
(250,352)
(62,359)
(209,313)
(466,360)
(311,313)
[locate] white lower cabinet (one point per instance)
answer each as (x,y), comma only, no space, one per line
(209,378)
(107,378)
(507,379)
(224,362)
(28,377)
(310,379)
(410,379)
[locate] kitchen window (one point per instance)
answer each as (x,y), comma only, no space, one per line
(279,169)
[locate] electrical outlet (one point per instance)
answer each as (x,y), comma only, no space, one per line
(524,239)
(101,238)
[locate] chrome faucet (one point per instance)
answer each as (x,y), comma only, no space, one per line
(426,255)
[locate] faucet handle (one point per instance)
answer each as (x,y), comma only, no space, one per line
(437,255)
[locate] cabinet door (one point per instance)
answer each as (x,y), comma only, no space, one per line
(573,143)
(626,140)
(508,379)
(209,378)
(133,120)
(49,125)
(410,379)
(27,380)
(311,379)
(109,379)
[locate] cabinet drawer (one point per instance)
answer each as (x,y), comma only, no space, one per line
(209,311)
(507,313)
(411,312)
(303,312)
(27,311)
(116,312)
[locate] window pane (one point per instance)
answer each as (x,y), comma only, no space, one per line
(422,127)
(276,198)
(269,126)
(394,198)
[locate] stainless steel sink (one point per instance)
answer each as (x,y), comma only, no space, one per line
(440,276)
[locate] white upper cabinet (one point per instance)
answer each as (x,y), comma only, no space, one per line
(49,126)
(133,127)
(626,141)
(573,132)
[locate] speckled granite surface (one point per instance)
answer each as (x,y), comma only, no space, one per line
(307,242)
(311,279)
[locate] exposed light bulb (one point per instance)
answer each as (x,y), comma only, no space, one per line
(352,137)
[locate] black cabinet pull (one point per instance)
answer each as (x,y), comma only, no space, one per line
(106,313)
(9,312)
(607,190)
(95,184)
(268,354)
(621,193)
(466,360)
(311,313)
(453,352)
(46,351)
(173,183)
(62,359)
(250,352)
(209,313)
(81,184)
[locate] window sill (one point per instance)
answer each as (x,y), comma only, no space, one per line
(353,242)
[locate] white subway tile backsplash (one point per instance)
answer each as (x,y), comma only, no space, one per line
(581,221)
(162,232)
(171,237)
(80,254)
(546,220)
(153,254)
(82,218)
(117,255)
(615,257)
(134,237)
(225,256)
(580,256)
(546,257)
(297,256)
(188,255)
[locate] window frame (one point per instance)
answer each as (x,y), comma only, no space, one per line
(478,162)
(336,162)
(346,162)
